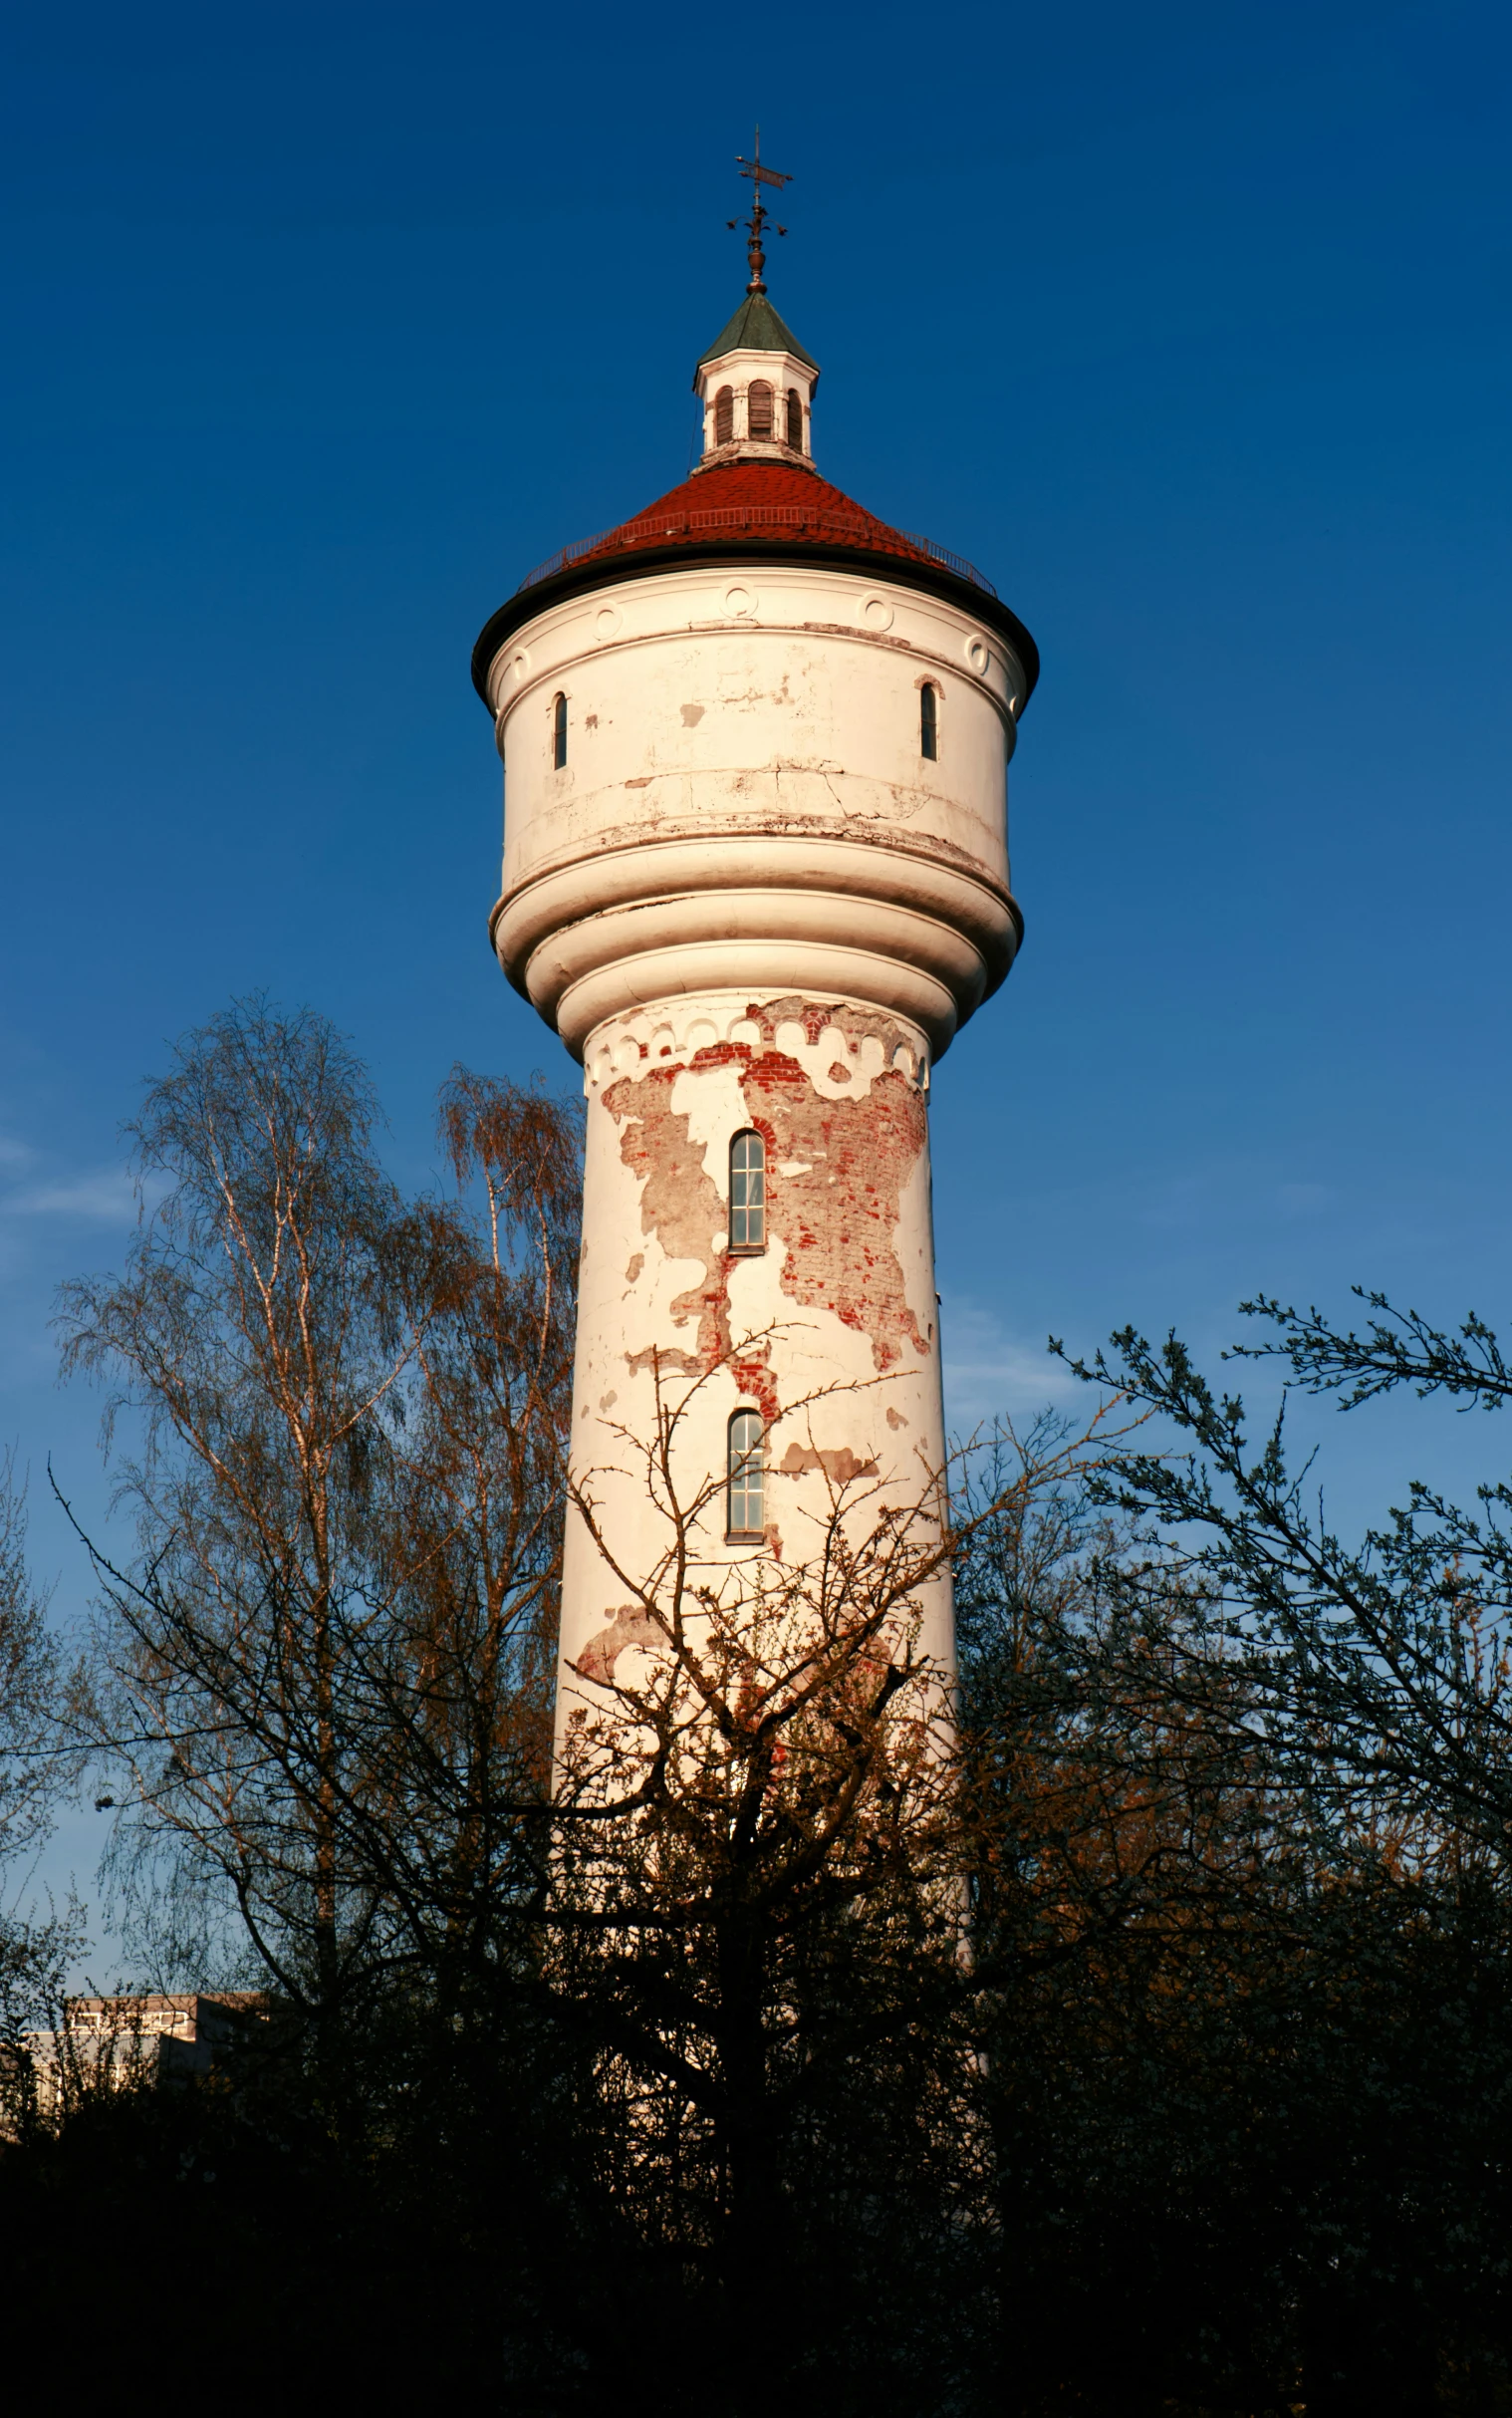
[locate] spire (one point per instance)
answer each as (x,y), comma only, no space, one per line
(756,383)
(758,219)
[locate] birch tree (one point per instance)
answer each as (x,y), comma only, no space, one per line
(343,1418)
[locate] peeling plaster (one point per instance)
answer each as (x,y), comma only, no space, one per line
(837,1170)
(632,1626)
(840,1467)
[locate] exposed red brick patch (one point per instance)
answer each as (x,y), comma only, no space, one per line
(857,1023)
(681,1206)
(838,1214)
(756,1376)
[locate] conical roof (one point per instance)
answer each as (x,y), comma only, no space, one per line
(740,511)
(762,499)
(756,328)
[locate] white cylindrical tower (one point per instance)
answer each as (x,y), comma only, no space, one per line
(756,876)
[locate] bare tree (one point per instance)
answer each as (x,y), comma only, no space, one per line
(41,1698)
(470,1531)
(38,1690)
(1387,1662)
(758,1912)
(319,1662)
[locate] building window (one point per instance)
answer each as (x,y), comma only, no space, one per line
(559,731)
(745,1513)
(928,721)
(724,415)
(760,409)
(794,421)
(748,1192)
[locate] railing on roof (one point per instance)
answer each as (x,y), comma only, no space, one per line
(870,537)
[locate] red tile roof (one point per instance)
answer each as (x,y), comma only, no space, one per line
(727,513)
(758,499)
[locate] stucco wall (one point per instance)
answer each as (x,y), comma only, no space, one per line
(831,1332)
(749,901)
(745,802)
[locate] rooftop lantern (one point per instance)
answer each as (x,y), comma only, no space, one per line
(756,383)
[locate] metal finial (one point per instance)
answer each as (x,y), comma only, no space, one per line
(758,219)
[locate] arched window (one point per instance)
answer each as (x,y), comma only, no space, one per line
(724,415)
(794,421)
(760,409)
(559,731)
(748,1192)
(928,721)
(745,1515)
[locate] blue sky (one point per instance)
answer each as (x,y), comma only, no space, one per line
(1189,326)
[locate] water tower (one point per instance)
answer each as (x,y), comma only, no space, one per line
(756,876)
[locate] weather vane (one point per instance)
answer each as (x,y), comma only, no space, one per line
(758,219)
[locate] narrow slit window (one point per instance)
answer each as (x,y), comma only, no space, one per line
(748,1192)
(559,731)
(746,1515)
(794,421)
(928,721)
(760,408)
(724,415)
